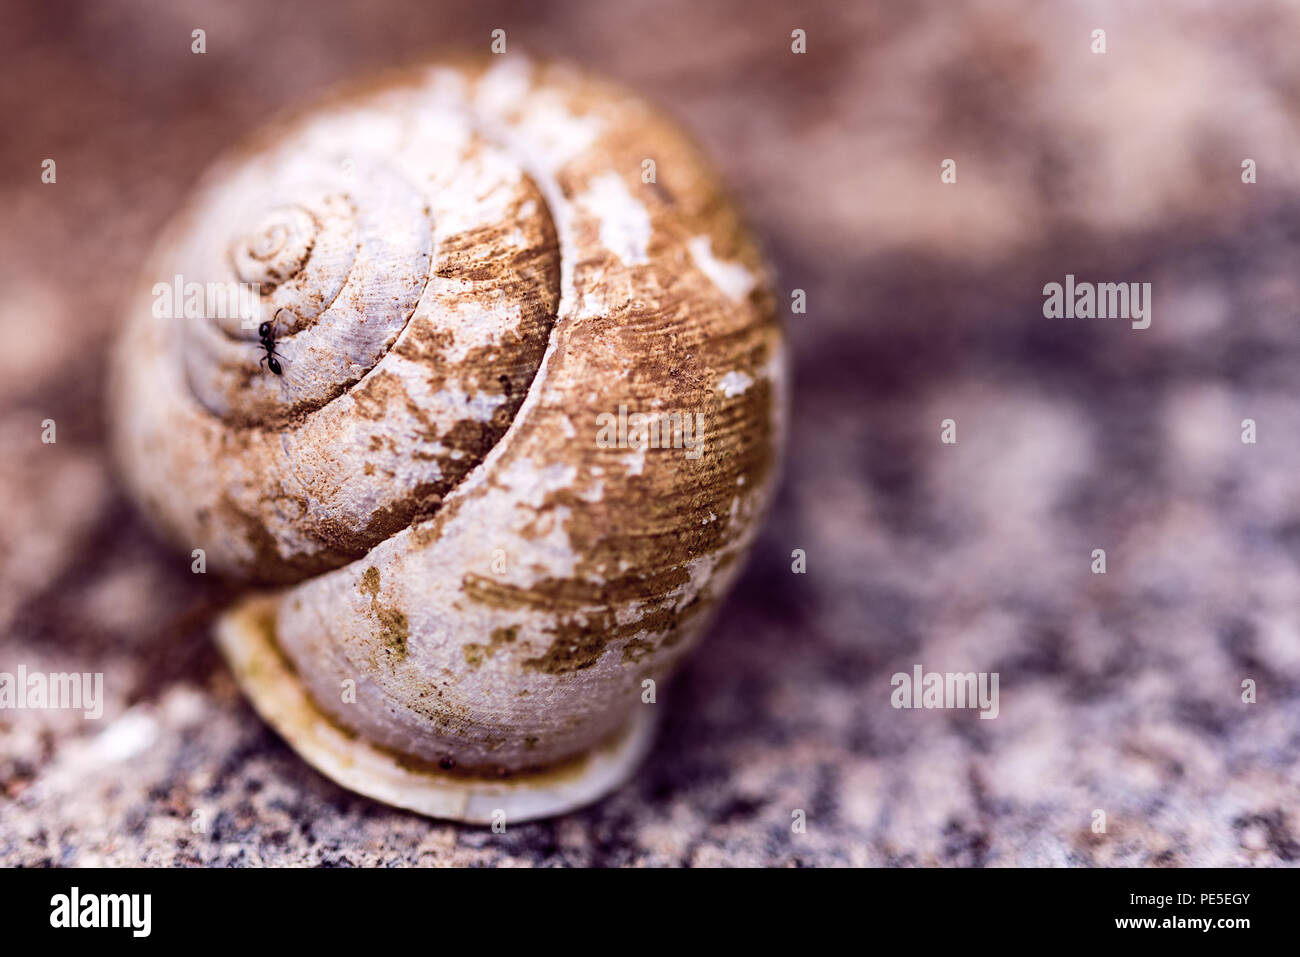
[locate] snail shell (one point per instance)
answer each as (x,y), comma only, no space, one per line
(466,276)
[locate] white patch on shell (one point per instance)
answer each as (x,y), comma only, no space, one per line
(480,188)
(629,612)
(503,88)
(447,85)
(700,571)
(477,324)
(624,222)
(448,405)
(592,307)
(531,484)
(735,281)
(551,554)
(554,132)
(548,550)
(734,383)
(635,461)
(456,404)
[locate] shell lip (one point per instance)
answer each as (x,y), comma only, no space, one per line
(279,696)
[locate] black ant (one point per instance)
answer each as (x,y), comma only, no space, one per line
(266,333)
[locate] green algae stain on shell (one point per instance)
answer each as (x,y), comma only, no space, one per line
(476,653)
(394,629)
(370,582)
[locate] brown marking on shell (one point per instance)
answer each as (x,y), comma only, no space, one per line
(635,650)
(375,393)
(270,563)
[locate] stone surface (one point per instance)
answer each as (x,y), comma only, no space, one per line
(1119,693)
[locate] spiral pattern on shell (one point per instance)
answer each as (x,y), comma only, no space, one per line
(464,270)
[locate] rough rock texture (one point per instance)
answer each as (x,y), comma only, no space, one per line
(1119,692)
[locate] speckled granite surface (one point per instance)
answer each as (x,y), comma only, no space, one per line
(1119,692)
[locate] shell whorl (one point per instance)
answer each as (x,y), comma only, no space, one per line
(464,270)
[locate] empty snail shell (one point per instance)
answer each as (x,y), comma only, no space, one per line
(528,420)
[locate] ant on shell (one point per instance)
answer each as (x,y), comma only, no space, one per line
(266,333)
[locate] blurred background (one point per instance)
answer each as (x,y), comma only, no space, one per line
(1119,692)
